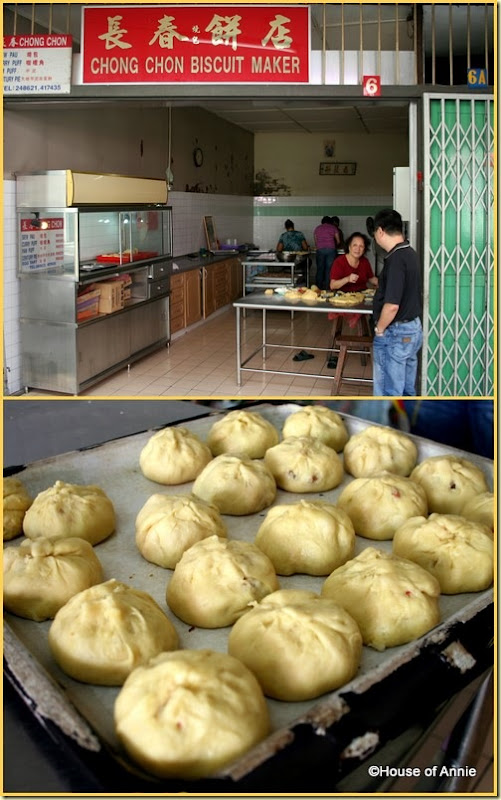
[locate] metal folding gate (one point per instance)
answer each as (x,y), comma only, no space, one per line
(458,254)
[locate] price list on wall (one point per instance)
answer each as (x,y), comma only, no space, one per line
(42,244)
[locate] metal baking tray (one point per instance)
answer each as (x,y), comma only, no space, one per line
(343,726)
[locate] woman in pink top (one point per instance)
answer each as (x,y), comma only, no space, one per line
(352,272)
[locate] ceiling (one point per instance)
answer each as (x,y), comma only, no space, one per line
(291,114)
(312,116)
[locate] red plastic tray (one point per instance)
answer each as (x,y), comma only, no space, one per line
(113,259)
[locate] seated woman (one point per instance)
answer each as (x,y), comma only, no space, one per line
(291,240)
(351,272)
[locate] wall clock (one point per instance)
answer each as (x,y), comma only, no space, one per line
(198,156)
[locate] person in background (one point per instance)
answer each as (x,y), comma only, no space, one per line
(326,238)
(341,243)
(397,311)
(291,240)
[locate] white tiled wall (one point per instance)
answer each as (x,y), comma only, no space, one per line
(269,226)
(232,217)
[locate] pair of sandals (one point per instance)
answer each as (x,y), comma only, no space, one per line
(304,356)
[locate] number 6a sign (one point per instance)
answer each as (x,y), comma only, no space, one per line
(371,85)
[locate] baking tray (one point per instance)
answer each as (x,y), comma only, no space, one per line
(343,726)
(126,259)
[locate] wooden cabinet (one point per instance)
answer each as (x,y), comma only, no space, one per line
(222,283)
(192,297)
(185,300)
(177,293)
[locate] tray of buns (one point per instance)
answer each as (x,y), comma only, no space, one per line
(82,713)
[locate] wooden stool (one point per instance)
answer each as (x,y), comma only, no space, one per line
(363,329)
(349,344)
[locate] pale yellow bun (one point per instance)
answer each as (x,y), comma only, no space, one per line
(167,525)
(449,482)
(189,713)
(40,576)
(297,644)
(318,422)
(104,632)
(216,581)
(457,551)
(302,464)
(308,537)
(393,600)
(376,449)
(245,432)
(480,509)
(236,484)
(173,456)
(67,509)
(16,502)
(378,506)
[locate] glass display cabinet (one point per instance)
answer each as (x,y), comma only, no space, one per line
(94,279)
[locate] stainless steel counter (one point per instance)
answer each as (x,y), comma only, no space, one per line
(275,302)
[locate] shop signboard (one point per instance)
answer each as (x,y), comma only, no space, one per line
(156,44)
(37,64)
(41,244)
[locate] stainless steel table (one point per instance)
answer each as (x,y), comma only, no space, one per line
(275,302)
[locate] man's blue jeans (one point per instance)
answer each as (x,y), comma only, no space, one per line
(325,256)
(395,356)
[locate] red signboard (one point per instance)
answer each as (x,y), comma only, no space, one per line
(195,44)
(371,85)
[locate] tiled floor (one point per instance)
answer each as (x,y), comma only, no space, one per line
(202,362)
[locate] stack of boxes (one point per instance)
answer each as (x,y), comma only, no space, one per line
(104,297)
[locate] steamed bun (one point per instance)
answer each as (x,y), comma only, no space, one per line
(188,713)
(67,509)
(173,456)
(457,551)
(40,575)
(216,581)
(393,600)
(318,422)
(302,464)
(236,485)
(309,537)
(378,506)
(297,644)
(243,432)
(449,482)
(16,502)
(167,525)
(376,449)
(101,634)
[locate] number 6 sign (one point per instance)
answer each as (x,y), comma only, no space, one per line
(371,85)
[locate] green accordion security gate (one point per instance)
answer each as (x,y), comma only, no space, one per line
(458,254)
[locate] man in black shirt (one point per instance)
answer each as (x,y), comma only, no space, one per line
(398,334)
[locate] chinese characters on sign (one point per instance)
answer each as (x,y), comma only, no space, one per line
(195,44)
(42,244)
(338,168)
(37,64)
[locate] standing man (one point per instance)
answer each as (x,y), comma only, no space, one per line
(326,237)
(398,307)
